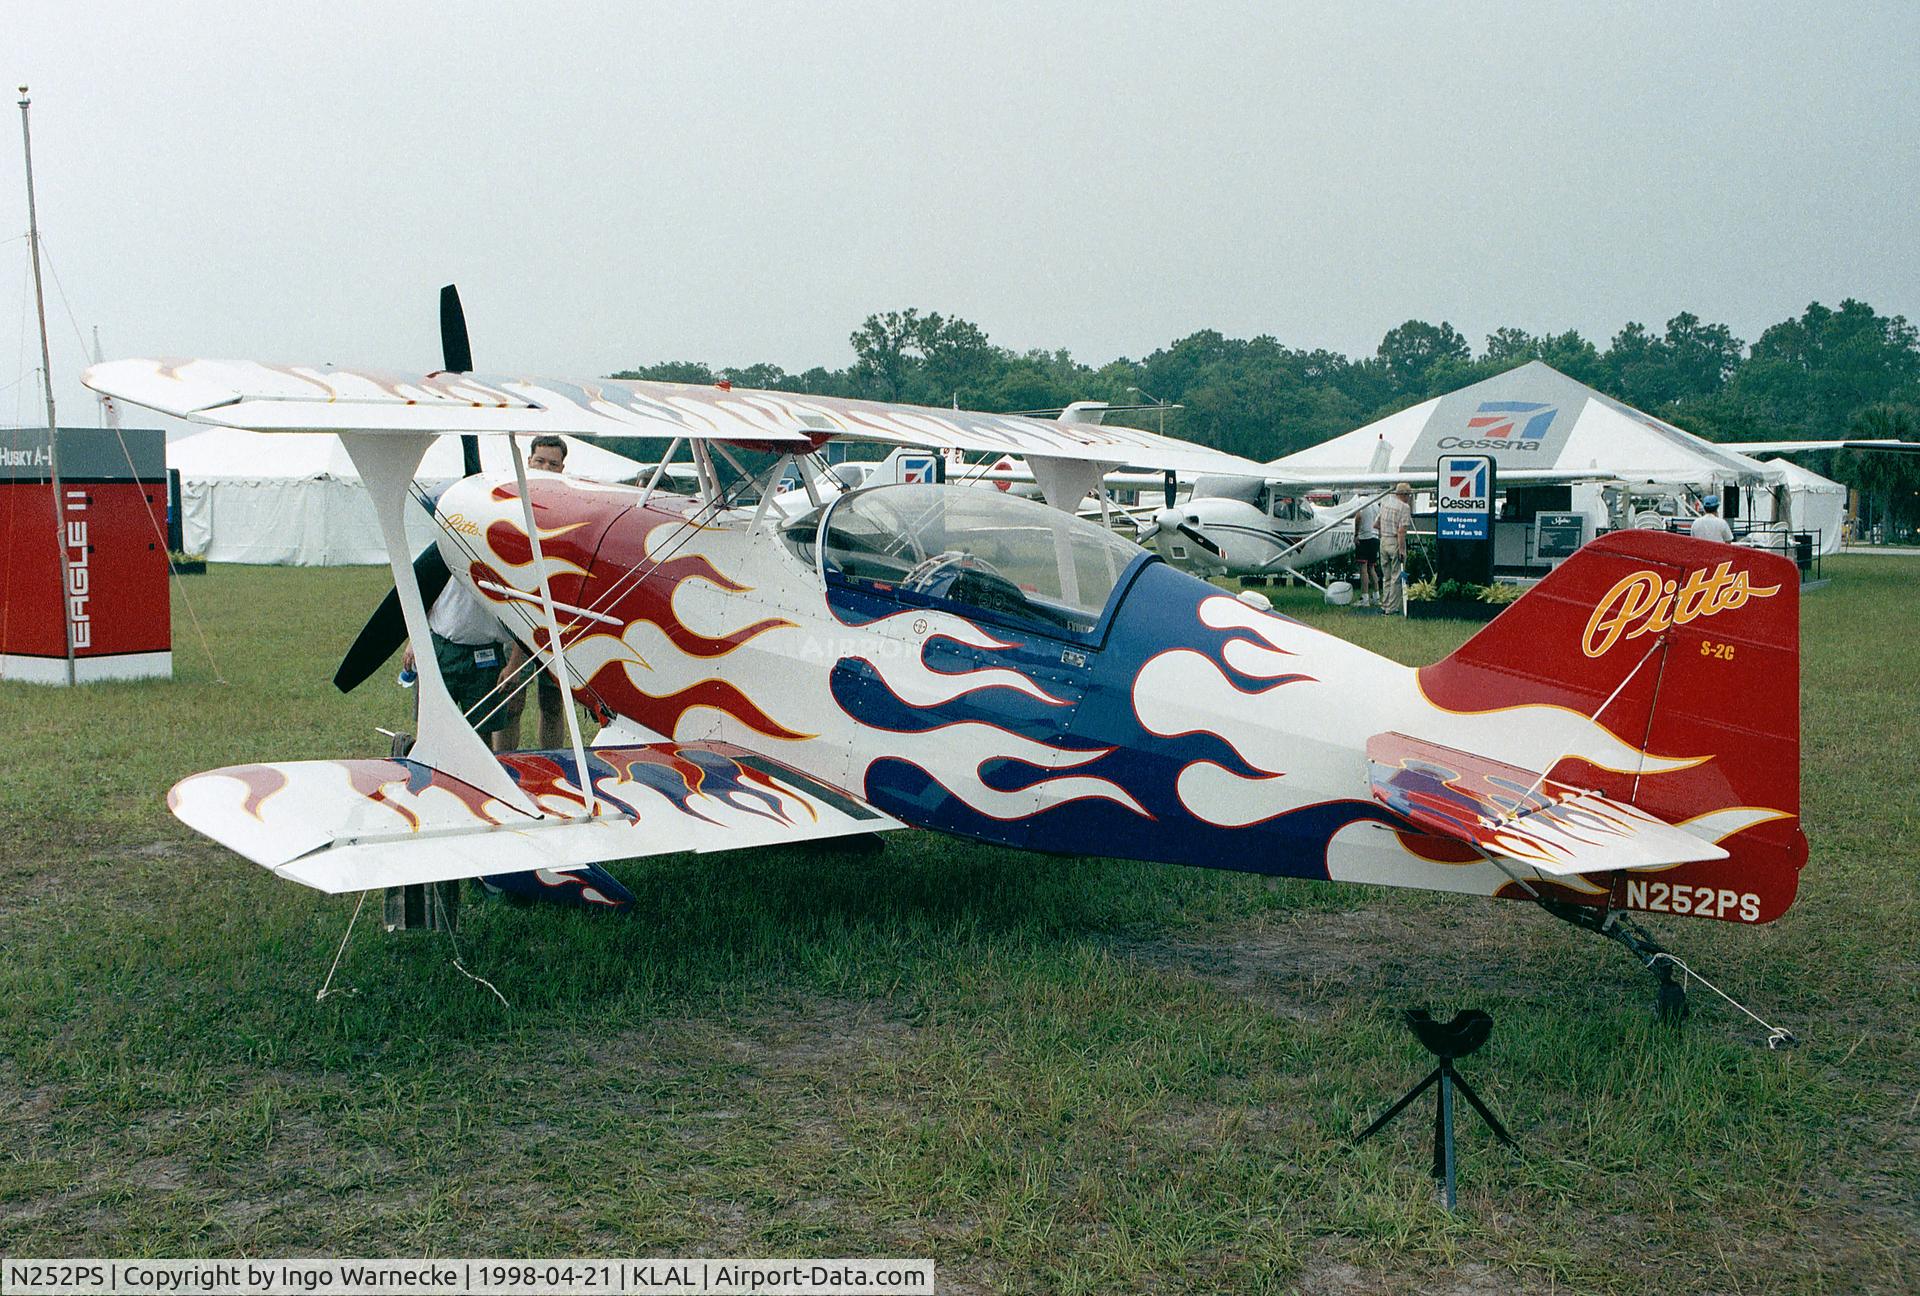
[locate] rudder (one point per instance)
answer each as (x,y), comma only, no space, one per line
(1693,650)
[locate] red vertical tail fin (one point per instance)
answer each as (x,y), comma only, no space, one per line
(1690,652)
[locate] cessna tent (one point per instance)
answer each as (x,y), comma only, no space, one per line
(1535,417)
(294,499)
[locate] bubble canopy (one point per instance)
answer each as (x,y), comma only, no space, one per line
(974,550)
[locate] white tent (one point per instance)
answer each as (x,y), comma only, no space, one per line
(1535,417)
(294,499)
(1815,504)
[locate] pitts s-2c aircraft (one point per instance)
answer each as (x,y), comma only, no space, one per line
(1625,737)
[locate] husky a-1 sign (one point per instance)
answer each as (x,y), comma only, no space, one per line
(1465,497)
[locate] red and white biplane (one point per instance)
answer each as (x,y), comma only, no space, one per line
(1624,738)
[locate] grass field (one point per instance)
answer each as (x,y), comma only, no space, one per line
(1044,1074)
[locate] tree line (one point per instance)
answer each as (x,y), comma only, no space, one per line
(1827,373)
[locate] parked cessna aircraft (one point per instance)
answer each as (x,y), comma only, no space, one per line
(966,661)
(1252,526)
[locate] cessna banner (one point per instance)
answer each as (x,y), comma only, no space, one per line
(1623,738)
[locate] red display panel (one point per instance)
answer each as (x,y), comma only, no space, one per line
(116,569)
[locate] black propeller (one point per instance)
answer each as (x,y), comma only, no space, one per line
(386,629)
(1200,538)
(456,356)
(1170,484)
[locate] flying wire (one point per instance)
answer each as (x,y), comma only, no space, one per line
(326,985)
(634,576)
(527,673)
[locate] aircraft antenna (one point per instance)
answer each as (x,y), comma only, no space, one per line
(46,373)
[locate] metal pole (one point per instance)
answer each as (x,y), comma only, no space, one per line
(46,374)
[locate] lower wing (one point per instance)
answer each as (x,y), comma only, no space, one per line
(353,825)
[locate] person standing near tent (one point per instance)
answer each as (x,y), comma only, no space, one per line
(1710,525)
(1366,548)
(1396,516)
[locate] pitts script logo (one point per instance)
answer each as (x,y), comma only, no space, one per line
(1643,603)
(1504,425)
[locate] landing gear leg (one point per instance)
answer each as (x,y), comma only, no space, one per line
(1669,995)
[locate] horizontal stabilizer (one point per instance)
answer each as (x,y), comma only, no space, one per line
(1513,813)
(353,825)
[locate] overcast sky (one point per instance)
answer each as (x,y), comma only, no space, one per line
(618,184)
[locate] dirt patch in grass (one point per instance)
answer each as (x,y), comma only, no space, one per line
(1309,965)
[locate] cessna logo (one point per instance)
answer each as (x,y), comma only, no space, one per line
(1464,483)
(1643,603)
(1504,425)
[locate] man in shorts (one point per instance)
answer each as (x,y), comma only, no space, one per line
(1366,548)
(472,648)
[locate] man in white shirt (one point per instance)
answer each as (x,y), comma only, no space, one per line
(1396,515)
(1366,548)
(473,648)
(1710,525)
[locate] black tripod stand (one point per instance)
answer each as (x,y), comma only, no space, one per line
(1446,1041)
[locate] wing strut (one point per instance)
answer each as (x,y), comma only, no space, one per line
(673,448)
(386,464)
(557,662)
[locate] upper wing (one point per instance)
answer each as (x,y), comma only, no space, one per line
(1790,447)
(286,398)
(1344,480)
(1503,810)
(352,825)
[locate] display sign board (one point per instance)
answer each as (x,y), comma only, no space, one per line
(1463,535)
(86,454)
(97,552)
(1558,535)
(1465,497)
